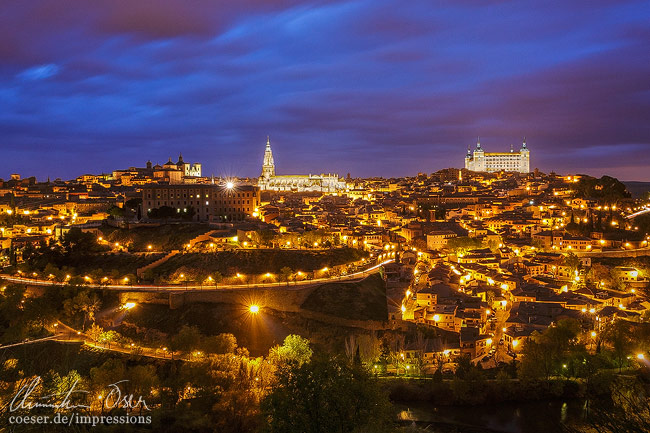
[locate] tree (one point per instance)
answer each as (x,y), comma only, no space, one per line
(620,338)
(325,395)
(163,212)
(188,213)
(545,354)
(133,203)
(111,371)
(117,212)
(369,348)
(95,332)
(78,243)
(109,337)
(627,410)
(187,339)
(350,346)
(55,384)
(221,343)
(462,244)
(573,262)
(285,273)
(84,302)
(294,350)
(141,380)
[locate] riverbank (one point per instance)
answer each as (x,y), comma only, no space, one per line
(467,392)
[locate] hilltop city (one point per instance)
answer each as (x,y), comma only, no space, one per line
(492,269)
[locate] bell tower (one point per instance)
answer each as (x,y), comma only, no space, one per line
(524,158)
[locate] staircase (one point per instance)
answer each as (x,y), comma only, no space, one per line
(201,238)
(140,272)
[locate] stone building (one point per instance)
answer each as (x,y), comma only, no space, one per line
(479,160)
(312,182)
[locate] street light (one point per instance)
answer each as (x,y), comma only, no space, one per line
(254,309)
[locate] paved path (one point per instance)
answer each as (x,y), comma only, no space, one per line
(66,334)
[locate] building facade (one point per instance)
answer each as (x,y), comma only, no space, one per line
(479,160)
(170,172)
(268,180)
(209,202)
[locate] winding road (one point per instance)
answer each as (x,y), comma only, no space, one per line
(202,287)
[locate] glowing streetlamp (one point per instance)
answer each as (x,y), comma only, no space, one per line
(254,309)
(230,185)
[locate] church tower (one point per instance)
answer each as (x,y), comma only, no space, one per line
(479,157)
(524,158)
(268,166)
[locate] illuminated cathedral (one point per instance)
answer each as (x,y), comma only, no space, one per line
(311,182)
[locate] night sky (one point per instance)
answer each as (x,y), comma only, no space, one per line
(370,87)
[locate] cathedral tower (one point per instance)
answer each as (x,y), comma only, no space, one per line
(268,166)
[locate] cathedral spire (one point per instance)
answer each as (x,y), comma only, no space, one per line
(478,142)
(268,165)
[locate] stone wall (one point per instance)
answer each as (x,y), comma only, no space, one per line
(277,298)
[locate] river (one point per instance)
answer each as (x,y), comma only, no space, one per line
(525,417)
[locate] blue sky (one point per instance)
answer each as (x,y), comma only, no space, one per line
(369,87)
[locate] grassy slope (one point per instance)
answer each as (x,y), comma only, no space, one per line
(121,263)
(166,237)
(257,261)
(365,300)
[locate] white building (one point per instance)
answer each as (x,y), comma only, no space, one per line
(312,182)
(498,161)
(189,170)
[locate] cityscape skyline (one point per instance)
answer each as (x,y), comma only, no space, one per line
(274,216)
(231,175)
(335,84)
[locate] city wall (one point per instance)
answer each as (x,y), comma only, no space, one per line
(615,254)
(277,298)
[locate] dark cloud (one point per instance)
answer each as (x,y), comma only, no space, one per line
(360,86)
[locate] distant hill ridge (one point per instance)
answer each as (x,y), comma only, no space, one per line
(636,188)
